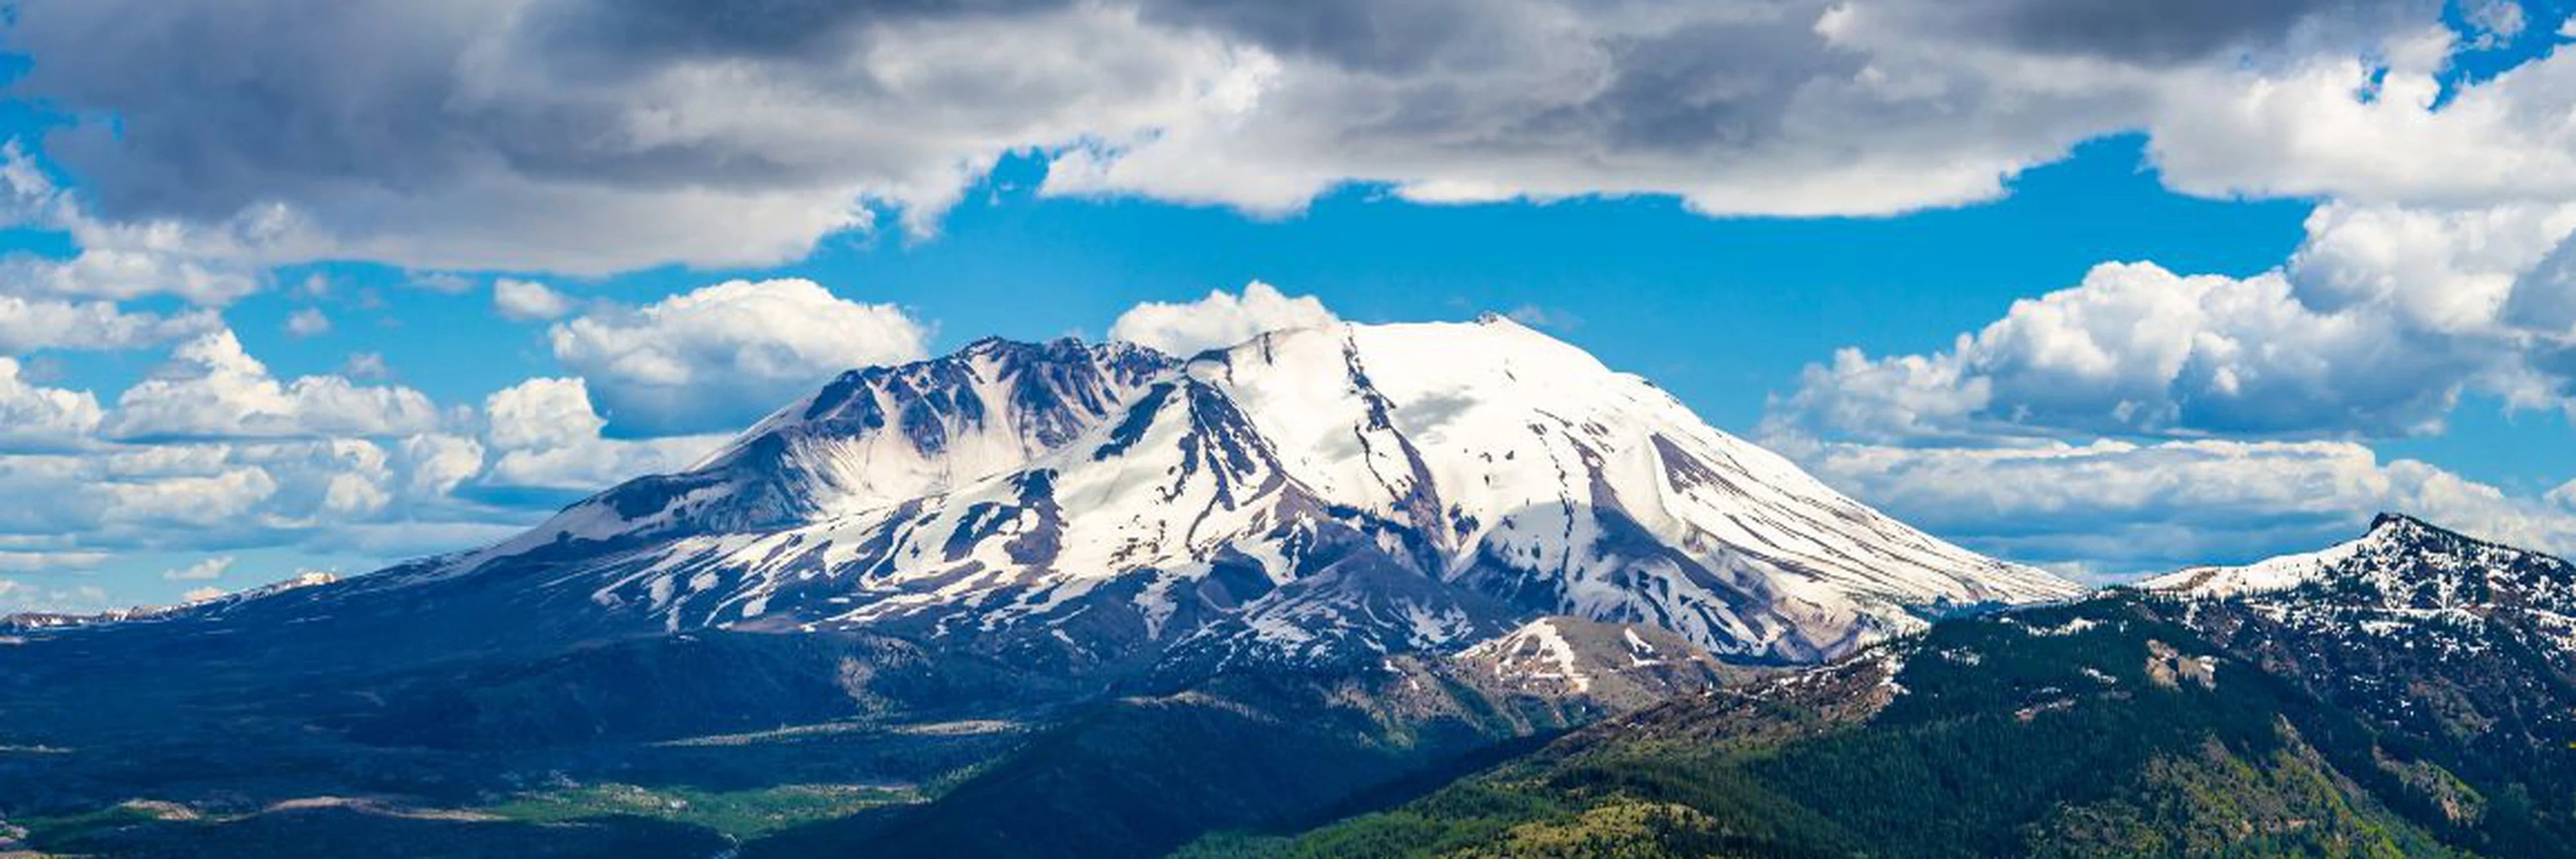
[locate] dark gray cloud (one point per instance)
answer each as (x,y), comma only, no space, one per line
(2543,304)
(1363,34)
(1717,85)
(580,134)
(2544,298)
(2166,31)
(633,34)
(217,104)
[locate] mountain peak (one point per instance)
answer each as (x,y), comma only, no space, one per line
(998,346)
(2401,560)
(877,435)
(2403,532)
(2394,524)
(991,343)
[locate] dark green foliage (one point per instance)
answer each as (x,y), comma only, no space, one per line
(2012,737)
(331,832)
(736,814)
(1140,776)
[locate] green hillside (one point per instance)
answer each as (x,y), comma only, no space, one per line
(2104,729)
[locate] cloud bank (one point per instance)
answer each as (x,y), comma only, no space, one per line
(588,136)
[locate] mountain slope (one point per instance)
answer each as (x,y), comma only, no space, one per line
(2458,651)
(2068,733)
(2405,694)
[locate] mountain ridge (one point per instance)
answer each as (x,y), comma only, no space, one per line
(1322,493)
(2405,693)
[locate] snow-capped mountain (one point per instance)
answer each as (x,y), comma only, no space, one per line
(2459,648)
(1315,494)
(2401,563)
(2405,578)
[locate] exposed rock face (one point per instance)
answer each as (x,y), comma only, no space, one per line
(2422,630)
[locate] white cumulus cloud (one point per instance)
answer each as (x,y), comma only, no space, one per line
(1221,319)
(41,417)
(721,356)
(546,435)
(21,596)
(307,322)
(2378,127)
(598,464)
(211,388)
(13,561)
(528,300)
(201,571)
(2138,349)
(33,324)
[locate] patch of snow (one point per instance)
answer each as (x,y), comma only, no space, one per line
(2071,627)
(2273,574)
(1537,651)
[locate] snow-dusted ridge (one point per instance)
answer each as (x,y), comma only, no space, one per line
(2406,578)
(206,607)
(1314,494)
(2401,559)
(2410,625)
(2270,575)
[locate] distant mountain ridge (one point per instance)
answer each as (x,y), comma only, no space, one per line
(2402,564)
(2411,692)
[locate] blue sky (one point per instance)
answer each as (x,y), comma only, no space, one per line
(292,292)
